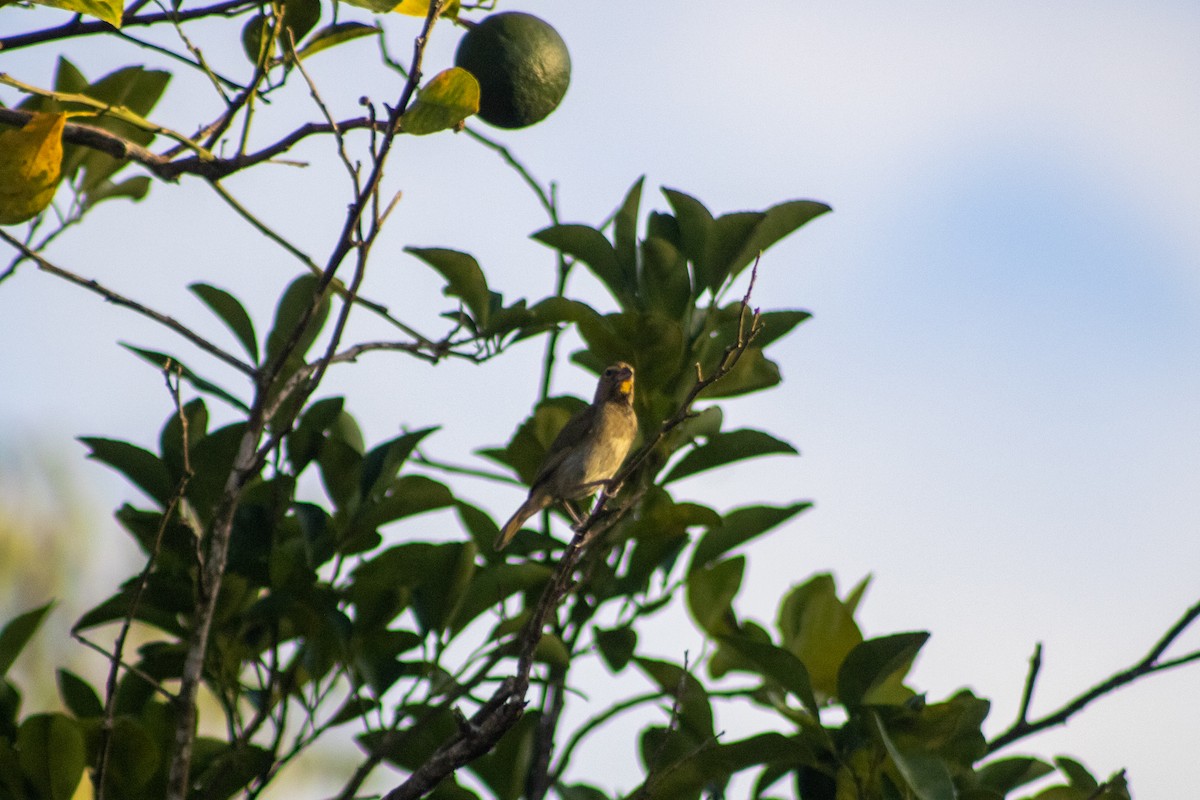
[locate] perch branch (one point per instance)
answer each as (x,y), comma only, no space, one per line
(494,718)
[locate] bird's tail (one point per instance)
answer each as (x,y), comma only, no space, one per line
(532,505)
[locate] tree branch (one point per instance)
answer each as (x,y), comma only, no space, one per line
(121,300)
(80,27)
(1146,666)
(250,457)
(169,168)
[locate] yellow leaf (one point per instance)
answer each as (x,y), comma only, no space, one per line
(413,8)
(449,98)
(419,8)
(110,11)
(30,166)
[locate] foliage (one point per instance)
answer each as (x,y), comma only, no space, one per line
(300,617)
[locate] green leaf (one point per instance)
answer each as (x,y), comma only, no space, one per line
(52,754)
(141,467)
(481,526)
(695,227)
(163,600)
(134,757)
(333,35)
(305,440)
(341,473)
(229,311)
(221,770)
(504,768)
(710,593)
(110,11)
(17,633)
(134,188)
(625,233)
(408,495)
(665,284)
(256,41)
(444,102)
(1077,774)
(775,325)
(590,246)
(778,221)
(1006,774)
(169,363)
(753,372)
(580,791)
(379,467)
(78,695)
(778,665)
(300,17)
(212,458)
(925,774)
(552,650)
(819,630)
(171,441)
(729,235)
(464,279)
(876,663)
(726,448)
(740,526)
(695,711)
(492,585)
(616,646)
(297,300)
(134,88)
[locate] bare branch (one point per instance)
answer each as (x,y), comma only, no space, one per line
(1146,666)
(115,660)
(121,300)
(80,27)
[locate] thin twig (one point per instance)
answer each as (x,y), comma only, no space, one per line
(110,701)
(79,27)
(1146,666)
(121,300)
(584,730)
(250,457)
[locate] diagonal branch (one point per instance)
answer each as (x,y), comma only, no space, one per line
(80,27)
(1147,665)
(167,167)
(121,300)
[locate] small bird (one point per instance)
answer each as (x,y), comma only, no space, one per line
(587,452)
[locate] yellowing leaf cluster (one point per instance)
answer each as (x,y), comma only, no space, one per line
(30,166)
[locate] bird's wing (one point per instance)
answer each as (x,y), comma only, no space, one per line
(572,434)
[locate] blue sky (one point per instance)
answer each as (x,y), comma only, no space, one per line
(996,400)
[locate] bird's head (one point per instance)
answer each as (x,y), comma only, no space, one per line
(616,383)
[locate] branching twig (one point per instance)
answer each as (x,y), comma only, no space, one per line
(1146,666)
(121,300)
(251,457)
(110,701)
(79,27)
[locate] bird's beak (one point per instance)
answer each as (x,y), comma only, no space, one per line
(625,381)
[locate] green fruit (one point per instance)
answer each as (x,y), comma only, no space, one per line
(522,66)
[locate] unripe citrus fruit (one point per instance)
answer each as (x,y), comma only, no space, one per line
(522,66)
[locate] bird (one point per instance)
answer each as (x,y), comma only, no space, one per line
(586,453)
